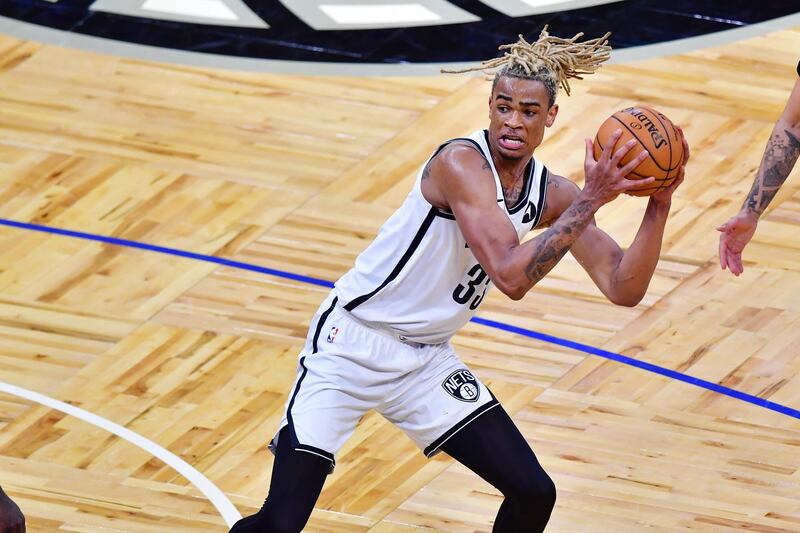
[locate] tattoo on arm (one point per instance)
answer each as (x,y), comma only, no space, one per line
(780,156)
(557,240)
(426,172)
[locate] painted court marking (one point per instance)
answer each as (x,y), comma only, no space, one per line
(211,491)
(666,372)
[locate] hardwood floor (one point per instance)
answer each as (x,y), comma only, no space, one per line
(297,173)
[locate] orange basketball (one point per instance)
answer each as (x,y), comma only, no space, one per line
(655,133)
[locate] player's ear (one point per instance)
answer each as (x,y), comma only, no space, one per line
(551,115)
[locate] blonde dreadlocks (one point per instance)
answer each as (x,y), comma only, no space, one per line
(551,60)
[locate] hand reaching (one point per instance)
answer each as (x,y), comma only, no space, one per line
(605,177)
(736,233)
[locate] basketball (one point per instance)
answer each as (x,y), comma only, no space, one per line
(654,132)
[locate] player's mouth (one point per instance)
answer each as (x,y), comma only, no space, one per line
(511,142)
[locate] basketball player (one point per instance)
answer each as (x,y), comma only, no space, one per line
(783,148)
(11,519)
(380,340)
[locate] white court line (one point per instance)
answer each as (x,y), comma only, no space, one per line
(211,491)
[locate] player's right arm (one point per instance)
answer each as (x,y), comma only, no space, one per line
(780,156)
(460,179)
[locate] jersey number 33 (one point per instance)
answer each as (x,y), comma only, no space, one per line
(463,294)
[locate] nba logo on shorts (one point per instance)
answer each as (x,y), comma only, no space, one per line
(462,385)
(332,334)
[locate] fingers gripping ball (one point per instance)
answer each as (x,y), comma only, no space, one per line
(655,133)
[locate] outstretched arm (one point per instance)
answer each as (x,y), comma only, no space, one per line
(780,155)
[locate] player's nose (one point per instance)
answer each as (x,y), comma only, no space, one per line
(514,120)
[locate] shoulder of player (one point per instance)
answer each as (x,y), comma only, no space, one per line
(457,176)
(460,163)
(459,156)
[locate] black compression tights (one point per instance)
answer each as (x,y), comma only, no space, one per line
(297,479)
(491,446)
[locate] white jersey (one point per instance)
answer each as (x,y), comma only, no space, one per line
(419,279)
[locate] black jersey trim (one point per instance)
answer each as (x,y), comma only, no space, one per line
(442,212)
(323,317)
(542,196)
(798,68)
(423,229)
(467,139)
(522,201)
(433,448)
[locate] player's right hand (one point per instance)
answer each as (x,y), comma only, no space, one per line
(736,233)
(605,178)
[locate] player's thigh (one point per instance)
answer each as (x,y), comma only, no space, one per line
(437,400)
(493,447)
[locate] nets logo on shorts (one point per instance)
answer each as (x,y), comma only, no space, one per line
(462,385)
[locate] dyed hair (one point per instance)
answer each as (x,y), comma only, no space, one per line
(550,60)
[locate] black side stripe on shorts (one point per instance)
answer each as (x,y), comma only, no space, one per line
(435,445)
(323,317)
(400,264)
(295,441)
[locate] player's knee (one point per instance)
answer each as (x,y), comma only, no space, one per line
(284,524)
(534,492)
(547,492)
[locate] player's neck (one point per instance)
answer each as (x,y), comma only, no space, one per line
(510,170)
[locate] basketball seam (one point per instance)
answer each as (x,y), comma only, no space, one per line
(642,144)
(669,141)
(657,188)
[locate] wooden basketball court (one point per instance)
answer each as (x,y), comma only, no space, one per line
(297,173)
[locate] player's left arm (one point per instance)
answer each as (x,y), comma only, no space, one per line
(624,275)
(780,156)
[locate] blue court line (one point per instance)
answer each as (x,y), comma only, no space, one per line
(585,348)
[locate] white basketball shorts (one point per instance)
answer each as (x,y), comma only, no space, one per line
(347,368)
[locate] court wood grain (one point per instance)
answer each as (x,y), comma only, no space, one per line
(297,173)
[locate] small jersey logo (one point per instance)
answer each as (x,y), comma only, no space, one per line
(332,335)
(530,213)
(462,385)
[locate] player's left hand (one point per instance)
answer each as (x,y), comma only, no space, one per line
(665,197)
(735,234)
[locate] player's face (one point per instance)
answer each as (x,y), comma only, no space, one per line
(519,111)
